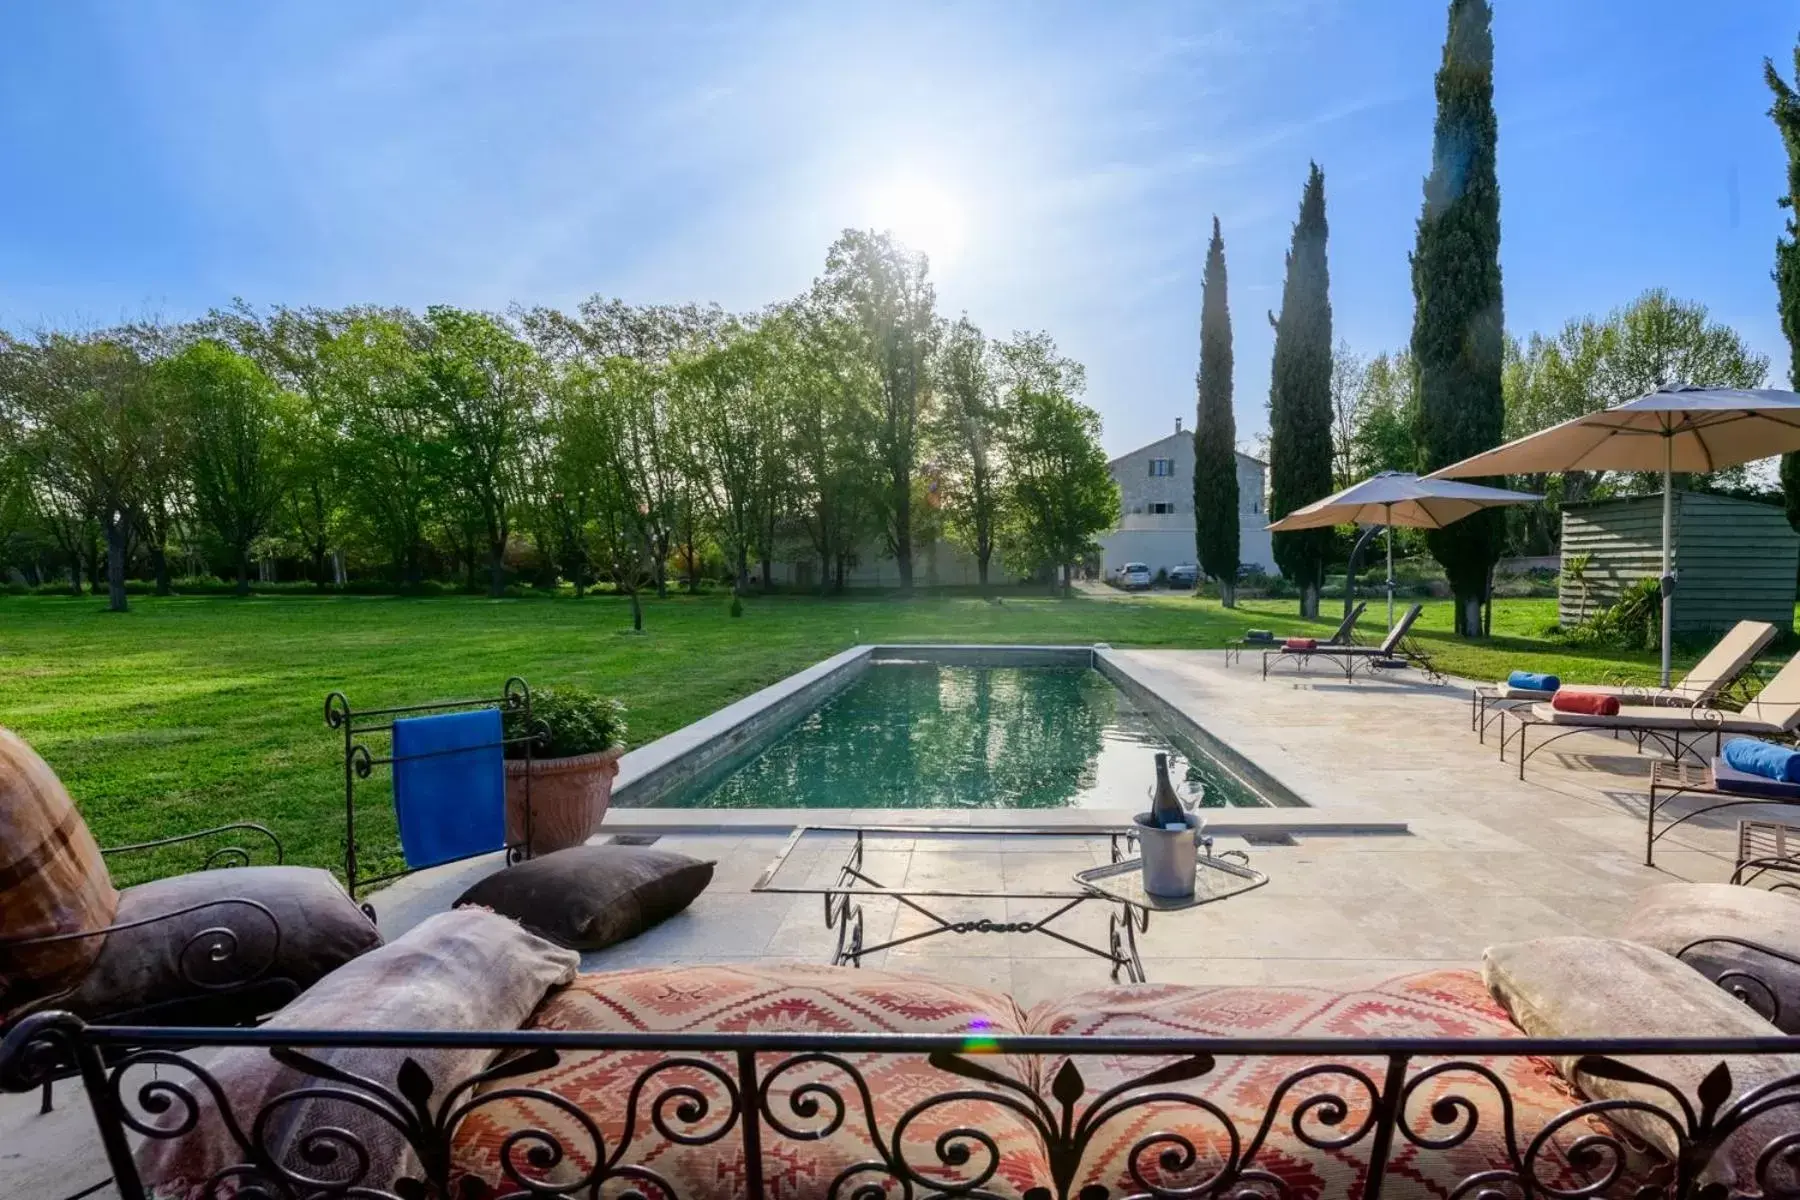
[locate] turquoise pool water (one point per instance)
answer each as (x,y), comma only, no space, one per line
(925,735)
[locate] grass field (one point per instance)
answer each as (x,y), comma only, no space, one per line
(186,712)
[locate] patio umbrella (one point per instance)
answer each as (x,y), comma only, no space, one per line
(1676,428)
(1397,498)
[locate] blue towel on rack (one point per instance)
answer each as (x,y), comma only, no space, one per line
(1534,681)
(1766,759)
(449,786)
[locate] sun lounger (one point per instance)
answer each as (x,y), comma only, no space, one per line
(1394,649)
(1343,635)
(1721,787)
(1775,713)
(1724,665)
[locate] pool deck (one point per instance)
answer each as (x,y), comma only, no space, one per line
(1419,848)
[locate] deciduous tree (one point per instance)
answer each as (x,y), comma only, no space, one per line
(1061,493)
(882,288)
(91,418)
(480,383)
(233,416)
(967,440)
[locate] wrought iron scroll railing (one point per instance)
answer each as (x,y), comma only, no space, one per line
(761,1099)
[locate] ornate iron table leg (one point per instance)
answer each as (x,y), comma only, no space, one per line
(1123,927)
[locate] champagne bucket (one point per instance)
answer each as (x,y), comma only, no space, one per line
(1169,856)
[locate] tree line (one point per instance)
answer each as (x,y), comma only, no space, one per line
(1462,385)
(619,444)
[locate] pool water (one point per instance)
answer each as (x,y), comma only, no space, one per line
(926,735)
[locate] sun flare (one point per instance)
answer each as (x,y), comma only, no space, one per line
(922,215)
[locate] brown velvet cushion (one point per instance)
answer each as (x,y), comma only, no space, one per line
(589,897)
(288,927)
(52,880)
(468,970)
(1703,924)
(1598,987)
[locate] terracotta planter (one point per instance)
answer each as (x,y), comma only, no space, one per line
(568,799)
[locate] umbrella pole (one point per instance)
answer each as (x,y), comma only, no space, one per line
(1389,508)
(1668,527)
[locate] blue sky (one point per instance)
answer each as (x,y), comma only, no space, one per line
(1066,159)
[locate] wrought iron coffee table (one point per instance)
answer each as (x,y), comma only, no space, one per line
(1118,884)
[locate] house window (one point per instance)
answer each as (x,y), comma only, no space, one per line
(1162,466)
(1161,506)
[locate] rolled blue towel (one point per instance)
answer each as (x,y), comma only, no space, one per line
(1767,759)
(1259,635)
(1533,681)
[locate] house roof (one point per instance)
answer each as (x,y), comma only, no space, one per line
(1185,433)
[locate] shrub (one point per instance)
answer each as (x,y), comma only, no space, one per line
(570,721)
(737,606)
(1632,623)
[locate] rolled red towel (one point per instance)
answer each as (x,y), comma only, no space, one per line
(1593,704)
(1300,644)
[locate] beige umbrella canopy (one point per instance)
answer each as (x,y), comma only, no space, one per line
(1397,498)
(1676,428)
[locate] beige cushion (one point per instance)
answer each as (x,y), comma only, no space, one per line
(1599,987)
(468,969)
(52,880)
(1701,924)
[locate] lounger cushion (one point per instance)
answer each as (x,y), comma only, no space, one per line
(757,999)
(1756,757)
(1436,1004)
(1702,924)
(1637,716)
(1597,987)
(52,880)
(1533,681)
(461,970)
(588,897)
(1727,778)
(222,947)
(1593,704)
(1300,644)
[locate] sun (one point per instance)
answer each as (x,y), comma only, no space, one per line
(922,215)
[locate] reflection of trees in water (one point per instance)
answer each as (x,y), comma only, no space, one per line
(925,736)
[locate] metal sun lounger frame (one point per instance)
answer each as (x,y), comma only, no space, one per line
(1774,713)
(1343,635)
(1728,678)
(1396,646)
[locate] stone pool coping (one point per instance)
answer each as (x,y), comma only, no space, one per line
(653,771)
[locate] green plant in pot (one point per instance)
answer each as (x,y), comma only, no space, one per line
(574,756)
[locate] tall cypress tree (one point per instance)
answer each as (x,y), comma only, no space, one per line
(1457,325)
(1215,433)
(1786,111)
(1300,398)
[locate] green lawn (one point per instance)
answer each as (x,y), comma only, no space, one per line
(187,712)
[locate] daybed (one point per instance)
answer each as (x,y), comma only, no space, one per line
(1538,1075)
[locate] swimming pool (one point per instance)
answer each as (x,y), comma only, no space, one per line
(936,735)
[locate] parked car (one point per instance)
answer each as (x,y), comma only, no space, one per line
(1184,575)
(1134,577)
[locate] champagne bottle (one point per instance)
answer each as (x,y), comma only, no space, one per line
(1165,806)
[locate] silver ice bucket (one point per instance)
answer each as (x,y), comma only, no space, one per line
(1169,856)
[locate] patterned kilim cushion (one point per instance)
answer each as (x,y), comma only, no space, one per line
(1451,1004)
(642,1130)
(52,879)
